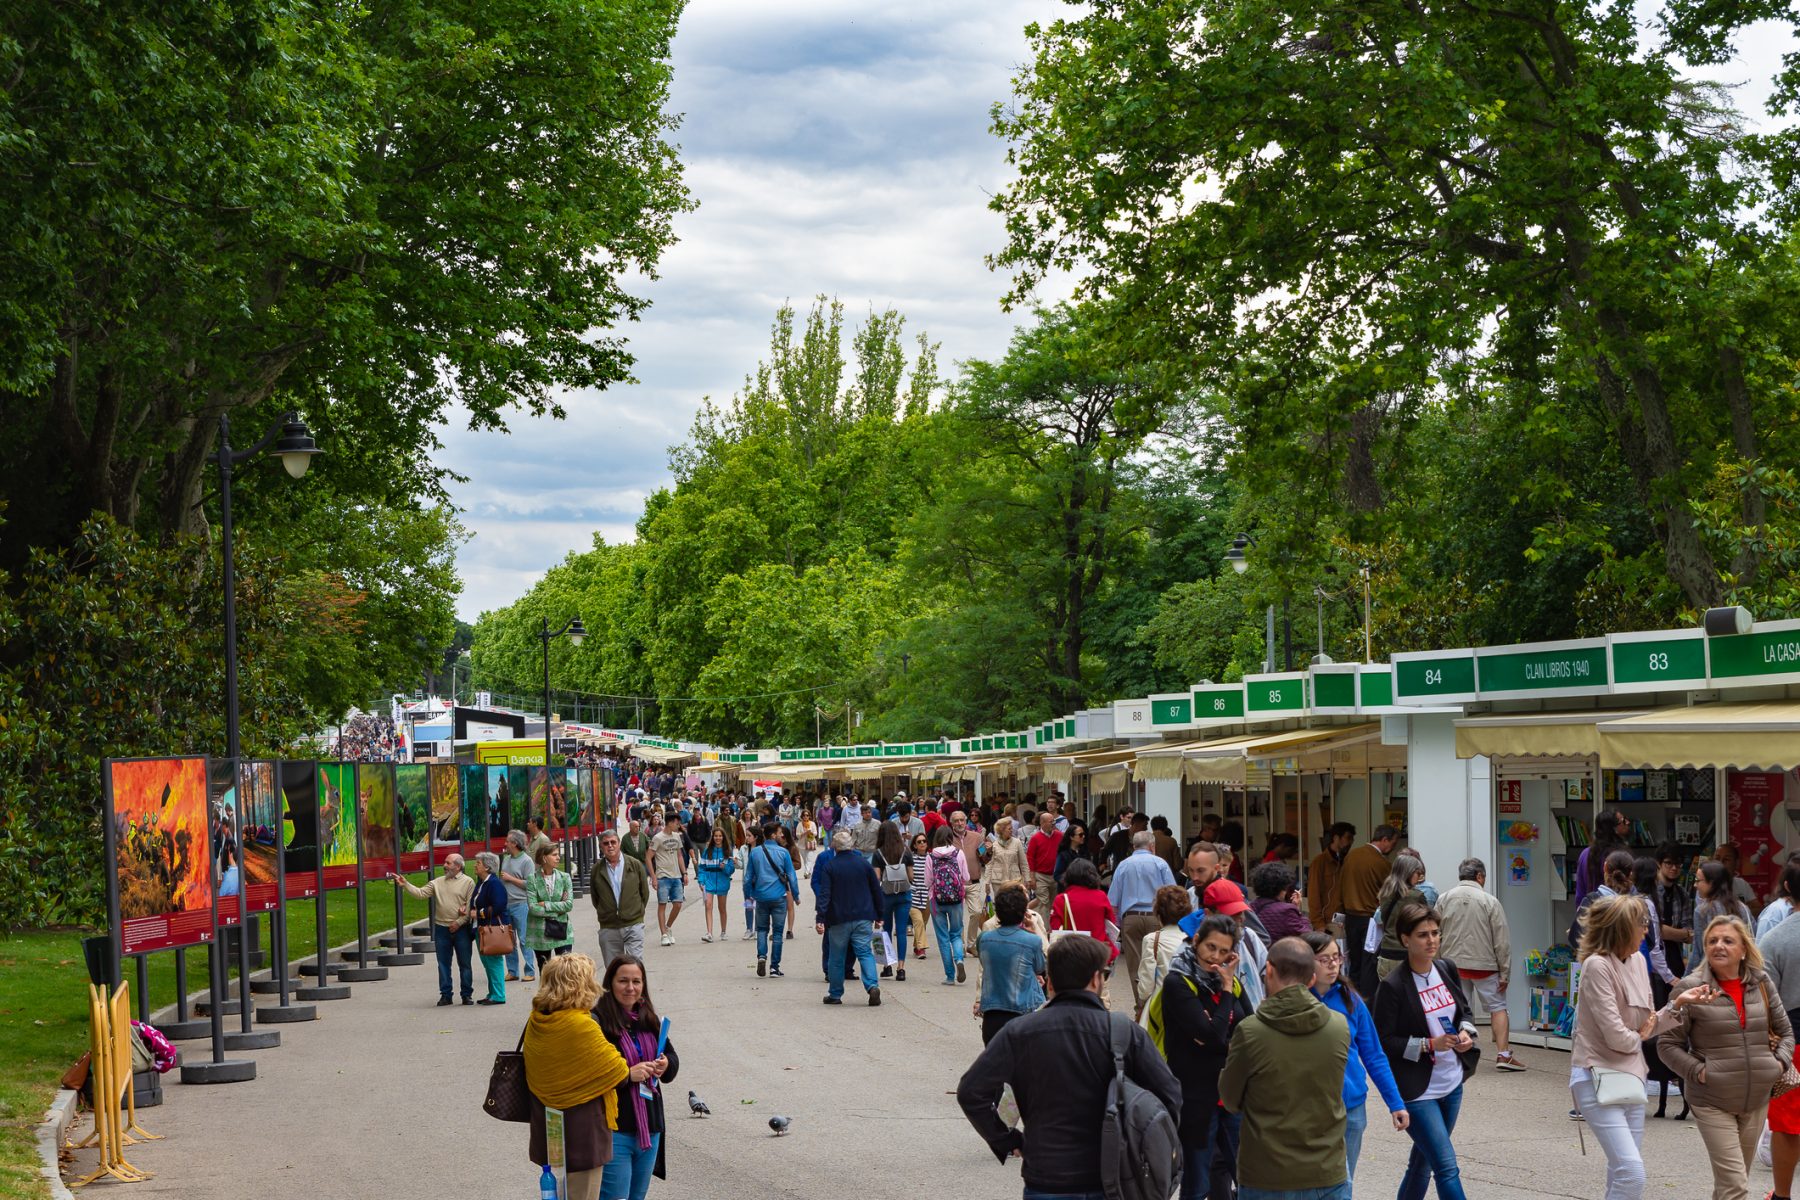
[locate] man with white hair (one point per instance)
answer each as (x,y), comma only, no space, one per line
(451,930)
(1133,896)
(849,902)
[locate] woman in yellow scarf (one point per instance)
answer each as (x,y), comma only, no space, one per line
(570,1065)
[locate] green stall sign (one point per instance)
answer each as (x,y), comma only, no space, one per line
(1172,712)
(1435,677)
(1570,670)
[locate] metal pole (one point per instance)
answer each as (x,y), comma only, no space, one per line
(1287,636)
(1269,641)
(1368,652)
(545,634)
(231,679)
(1319,597)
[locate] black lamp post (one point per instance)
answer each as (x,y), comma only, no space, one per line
(574,630)
(292,442)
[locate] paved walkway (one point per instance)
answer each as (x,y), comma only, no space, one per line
(382,1098)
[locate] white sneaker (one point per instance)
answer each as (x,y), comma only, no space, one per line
(706,937)
(748,935)
(667,940)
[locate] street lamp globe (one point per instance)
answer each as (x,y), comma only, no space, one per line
(295,446)
(577,631)
(1239,561)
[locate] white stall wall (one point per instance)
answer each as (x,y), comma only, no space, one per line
(1162,797)
(1442,803)
(1350,802)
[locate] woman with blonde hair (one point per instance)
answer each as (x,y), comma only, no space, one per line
(1613,1020)
(1730,1047)
(1006,856)
(570,1065)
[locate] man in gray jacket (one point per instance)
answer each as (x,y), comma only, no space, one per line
(1476,940)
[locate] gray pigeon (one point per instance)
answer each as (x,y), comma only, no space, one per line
(697,1106)
(779,1125)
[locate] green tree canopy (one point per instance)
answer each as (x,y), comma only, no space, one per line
(1348,215)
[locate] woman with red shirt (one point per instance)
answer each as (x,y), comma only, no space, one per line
(1083,905)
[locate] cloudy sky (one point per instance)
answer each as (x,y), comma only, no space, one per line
(834,147)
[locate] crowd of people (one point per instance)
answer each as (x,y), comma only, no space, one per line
(1265,1002)
(366,737)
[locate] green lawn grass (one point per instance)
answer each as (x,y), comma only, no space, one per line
(44,1015)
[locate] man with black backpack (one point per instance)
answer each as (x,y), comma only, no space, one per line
(1074,1066)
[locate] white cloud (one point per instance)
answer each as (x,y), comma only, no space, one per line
(833,150)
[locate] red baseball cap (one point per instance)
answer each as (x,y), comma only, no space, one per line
(1224,897)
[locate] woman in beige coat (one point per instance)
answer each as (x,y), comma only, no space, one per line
(1006,857)
(1729,1049)
(1612,1023)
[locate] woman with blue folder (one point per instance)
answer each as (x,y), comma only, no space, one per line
(628,1020)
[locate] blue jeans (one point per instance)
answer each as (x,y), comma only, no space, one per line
(896,922)
(519,911)
(1433,1121)
(948,926)
(769,912)
(1355,1121)
(1226,1127)
(460,942)
(854,936)
(1339,1192)
(1196,1169)
(627,1176)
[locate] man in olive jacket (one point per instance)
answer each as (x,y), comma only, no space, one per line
(1284,1075)
(620,887)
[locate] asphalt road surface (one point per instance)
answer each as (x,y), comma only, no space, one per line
(381,1097)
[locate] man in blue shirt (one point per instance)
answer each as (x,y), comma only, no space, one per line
(849,896)
(1133,896)
(1013,964)
(769,880)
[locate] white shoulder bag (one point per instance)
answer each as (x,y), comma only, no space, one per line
(1617,1088)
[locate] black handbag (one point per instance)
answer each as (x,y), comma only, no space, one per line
(556,929)
(508,1099)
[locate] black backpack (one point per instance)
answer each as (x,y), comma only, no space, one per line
(1140,1143)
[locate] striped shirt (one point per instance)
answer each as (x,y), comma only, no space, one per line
(921,890)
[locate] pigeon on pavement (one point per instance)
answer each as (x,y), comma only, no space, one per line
(779,1125)
(697,1106)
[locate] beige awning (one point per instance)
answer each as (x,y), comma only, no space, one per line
(864,771)
(1109,780)
(657,754)
(1062,768)
(1746,736)
(1309,741)
(1165,761)
(1533,735)
(1218,762)
(718,768)
(796,772)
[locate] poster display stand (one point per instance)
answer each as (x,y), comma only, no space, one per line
(227,783)
(374,848)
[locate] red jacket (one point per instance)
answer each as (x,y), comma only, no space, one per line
(932,820)
(1041,852)
(1092,911)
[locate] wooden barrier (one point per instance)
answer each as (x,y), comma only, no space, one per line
(109,1080)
